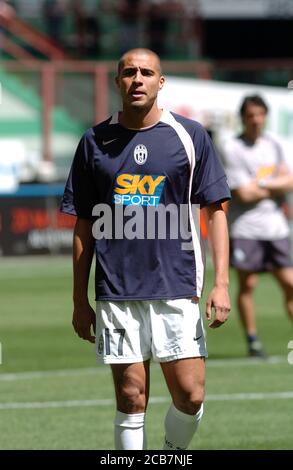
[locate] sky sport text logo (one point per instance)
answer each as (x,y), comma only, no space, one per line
(170,222)
(138,190)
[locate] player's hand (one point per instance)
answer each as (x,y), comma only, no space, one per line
(218,307)
(83,319)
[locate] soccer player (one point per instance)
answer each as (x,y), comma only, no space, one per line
(144,161)
(258,176)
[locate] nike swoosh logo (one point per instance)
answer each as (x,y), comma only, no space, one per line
(106,142)
(196,339)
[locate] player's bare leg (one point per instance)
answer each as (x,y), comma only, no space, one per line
(185,379)
(247,282)
(131,383)
(285,278)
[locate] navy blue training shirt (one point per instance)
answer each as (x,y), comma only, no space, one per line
(150,175)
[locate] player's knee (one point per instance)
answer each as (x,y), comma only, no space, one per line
(247,288)
(131,399)
(195,401)
(247,284)
(191,402)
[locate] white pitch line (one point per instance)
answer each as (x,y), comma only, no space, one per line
(153,400)
(246,361)
(39,374)
(233,362)
(55,404)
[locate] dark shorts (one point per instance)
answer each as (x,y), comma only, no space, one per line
(260,255)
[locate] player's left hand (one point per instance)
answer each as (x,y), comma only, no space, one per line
(218,306)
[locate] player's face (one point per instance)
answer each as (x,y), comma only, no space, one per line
(254,119)
(139,80)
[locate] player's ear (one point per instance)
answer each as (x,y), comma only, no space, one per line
(161,82)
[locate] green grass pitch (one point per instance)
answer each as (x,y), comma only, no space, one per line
(53,396)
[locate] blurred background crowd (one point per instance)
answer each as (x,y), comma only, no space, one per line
(105,28)
(175,29)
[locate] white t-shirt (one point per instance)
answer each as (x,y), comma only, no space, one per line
(243,162)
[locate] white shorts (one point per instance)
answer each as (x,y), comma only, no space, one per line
(136,330)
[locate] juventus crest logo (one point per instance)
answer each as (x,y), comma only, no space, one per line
(140,154)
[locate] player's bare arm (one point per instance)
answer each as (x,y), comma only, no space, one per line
(84,317)
(251,192)
(280,185)
(218,302)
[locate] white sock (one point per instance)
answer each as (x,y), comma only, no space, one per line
(180,428)
(129,431)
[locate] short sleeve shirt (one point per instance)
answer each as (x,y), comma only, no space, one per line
(263,220)
(139,187)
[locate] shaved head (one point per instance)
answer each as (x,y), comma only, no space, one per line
(140,52)
(139,80)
